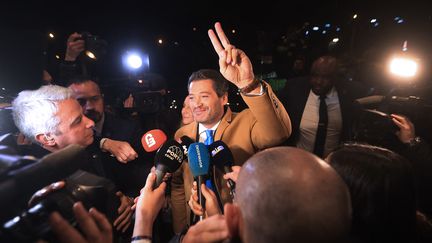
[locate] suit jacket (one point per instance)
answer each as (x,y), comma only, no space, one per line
(294,97)
(265,124)
(129,177)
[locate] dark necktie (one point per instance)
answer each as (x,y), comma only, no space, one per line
(322,127)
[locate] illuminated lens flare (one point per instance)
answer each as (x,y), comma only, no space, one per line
(403,67)
(90,54)
(134,61)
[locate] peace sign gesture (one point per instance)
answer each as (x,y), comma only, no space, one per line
(234,65)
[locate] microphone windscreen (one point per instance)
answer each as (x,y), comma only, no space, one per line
(221,154)
(186,142)
(199,159)
(153,140)
(169,156)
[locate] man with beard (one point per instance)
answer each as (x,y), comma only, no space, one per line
(263,125)
(116,140)
(53,119)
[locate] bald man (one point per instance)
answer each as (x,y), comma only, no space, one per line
(322,99)
(284,194)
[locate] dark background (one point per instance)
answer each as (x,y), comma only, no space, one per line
(274,29)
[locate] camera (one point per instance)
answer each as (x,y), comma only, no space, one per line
(91,190)
(95,47)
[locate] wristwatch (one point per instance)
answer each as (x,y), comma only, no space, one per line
(414,142)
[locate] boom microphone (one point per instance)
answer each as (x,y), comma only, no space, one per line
(199,163)
(168,159)
(153,140)
(223,158)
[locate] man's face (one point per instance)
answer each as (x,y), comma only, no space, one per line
(323,75)
(207,107)
(74,127)
(90,98)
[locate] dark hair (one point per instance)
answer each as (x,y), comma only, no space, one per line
(79,79)
(381,184)
(220,84)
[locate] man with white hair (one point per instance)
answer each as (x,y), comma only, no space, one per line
(51,117)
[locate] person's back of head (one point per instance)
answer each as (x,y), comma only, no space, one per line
(382,191)
(289,195)
(34,111)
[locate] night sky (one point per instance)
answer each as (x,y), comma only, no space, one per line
(269,28)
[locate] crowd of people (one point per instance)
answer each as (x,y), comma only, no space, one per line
(297,176)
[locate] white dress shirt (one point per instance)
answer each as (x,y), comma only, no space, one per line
(310,118)
(203,134)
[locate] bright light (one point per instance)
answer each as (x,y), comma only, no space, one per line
(335,40)
(355,16)
(160,41)
(403,67)
(324,32)
(376,24)
(140,81)
(51,35)
(307,32)
(134,61)
(338,29)
(327,25)
(90,54)
(373,21)
(316,28)
(233,31)
(400,21)
(57,56)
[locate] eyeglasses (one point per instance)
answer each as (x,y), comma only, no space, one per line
(83,101)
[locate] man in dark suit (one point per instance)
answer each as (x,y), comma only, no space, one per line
(124,159)
(303,97)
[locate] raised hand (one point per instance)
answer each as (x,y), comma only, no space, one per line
(406,128)
(234,65)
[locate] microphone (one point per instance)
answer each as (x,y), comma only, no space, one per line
(186,142)
(223,158)
(153,140)
(371,100)
(23,182)
(168,159)
(199,163)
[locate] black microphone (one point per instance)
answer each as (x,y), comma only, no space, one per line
(168,159)
(186,142)
(23,182)
(223,158)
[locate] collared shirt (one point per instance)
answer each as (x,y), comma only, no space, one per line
(202,133)
(99,126)
(310,118)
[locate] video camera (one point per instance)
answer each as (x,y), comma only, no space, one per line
(27,224)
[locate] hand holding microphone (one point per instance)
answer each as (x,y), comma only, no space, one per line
(199,163)
(211,203)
